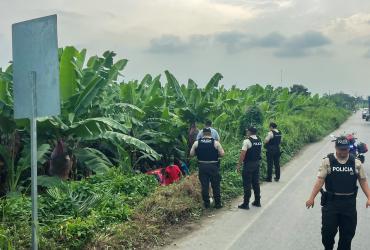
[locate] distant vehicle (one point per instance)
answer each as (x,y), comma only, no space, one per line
(365,111)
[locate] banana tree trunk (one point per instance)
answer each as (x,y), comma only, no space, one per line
(60,162)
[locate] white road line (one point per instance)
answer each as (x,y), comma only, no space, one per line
(264,208)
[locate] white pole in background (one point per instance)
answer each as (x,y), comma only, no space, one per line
(34,162)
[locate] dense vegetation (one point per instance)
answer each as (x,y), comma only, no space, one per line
(90,194)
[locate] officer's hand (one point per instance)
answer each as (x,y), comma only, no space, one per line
(238,168)
(368,203)
(310,203)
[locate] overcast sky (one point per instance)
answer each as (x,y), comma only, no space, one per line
(323,44)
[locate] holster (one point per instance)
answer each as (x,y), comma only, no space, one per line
(328,196)
(324,197)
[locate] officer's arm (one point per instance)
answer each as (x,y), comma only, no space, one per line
(246,144)
(192,151)
(365,187)
(221,151)
(316,189)
(269,137)
(362,179)
(242,156)
(318,185)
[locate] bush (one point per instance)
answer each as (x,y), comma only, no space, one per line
(71,214)
(253,116)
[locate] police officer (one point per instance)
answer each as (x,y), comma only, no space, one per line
(340,173)
(250,157)
(208,151)
(272,144)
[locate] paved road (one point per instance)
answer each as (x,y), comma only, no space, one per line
(283,222)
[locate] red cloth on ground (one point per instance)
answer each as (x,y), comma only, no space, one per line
(173,172)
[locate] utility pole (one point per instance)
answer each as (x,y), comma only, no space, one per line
(281,77)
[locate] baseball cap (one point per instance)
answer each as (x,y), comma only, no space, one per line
(342,143)
(253,130)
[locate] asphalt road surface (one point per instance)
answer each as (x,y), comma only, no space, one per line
(283,222)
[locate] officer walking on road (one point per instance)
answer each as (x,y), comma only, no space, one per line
(272,144)
(250,157)
(208,151)
(340,173)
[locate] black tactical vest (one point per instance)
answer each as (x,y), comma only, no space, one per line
(254,153)
(276,140)
(206,150)
(342,177)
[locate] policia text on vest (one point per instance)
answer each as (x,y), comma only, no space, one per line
(339,173)
(208,152)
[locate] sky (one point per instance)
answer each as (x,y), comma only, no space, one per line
(322,44)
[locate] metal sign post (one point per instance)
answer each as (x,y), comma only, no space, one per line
(34,162)
(36,85)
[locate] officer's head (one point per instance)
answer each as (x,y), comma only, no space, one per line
(342,147)
(208,123)
(251,131)
(273,125)
(207,132)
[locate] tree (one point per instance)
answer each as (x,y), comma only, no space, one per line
(299,89)
(252,117)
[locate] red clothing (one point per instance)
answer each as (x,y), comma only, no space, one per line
(166,181)
(174,173)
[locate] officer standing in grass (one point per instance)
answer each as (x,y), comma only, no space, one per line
(340,173)
(208,151)
(250,157)
(272,144)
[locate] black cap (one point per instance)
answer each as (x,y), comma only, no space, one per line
(253,130)
(342,143)
(206,130)
(273,125)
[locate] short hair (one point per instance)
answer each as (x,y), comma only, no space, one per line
(252,130)
(273,125)
(208,123)
(207,131)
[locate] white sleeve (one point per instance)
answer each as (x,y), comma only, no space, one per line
(200,134)
(269,136)
(247,144)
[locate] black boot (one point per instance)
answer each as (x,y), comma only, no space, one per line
(218,205)
(244,206)
(268,179)
(257,203)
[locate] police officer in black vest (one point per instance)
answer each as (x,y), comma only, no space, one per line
(272,144)
(250,157)
(208,151)
(340,173)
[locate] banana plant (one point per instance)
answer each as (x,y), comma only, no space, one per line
(16,168)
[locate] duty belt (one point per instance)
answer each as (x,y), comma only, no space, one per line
(332,195)
(208,162)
